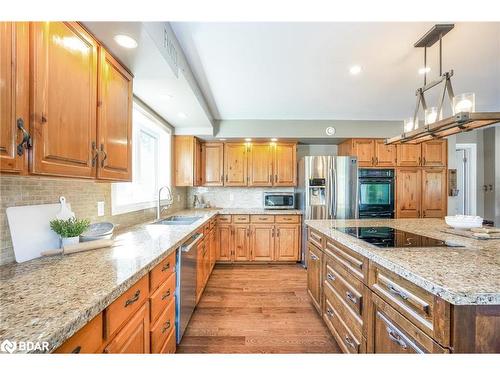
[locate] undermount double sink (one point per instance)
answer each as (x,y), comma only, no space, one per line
(178,220)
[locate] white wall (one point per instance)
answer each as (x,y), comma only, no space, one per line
(315,150)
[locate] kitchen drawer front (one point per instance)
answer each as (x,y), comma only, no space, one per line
(315,238)
(348,288)
(162,272)
(348,259)
(413,302)
(226,219)
(161,330)
(241,219)
(393,333)
(342,334)
(162,297)
(288,219)
(88,339)
(262,218)
(124,306)
(170,344)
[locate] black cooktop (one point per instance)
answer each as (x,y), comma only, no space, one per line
(390,237)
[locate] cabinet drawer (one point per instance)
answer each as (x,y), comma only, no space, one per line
(162,297)
(413,302)
(262,218)
(125,305)
(290,219)
(315,238)
(162,272)
(239,219)
(87,340)
(162,328)
(342,334)
(170,345)
(224,219)
(348,259)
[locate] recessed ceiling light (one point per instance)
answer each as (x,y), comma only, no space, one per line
(248,139)
(182,115)
(125,41)
(424,70)
(355,69)
(274,139)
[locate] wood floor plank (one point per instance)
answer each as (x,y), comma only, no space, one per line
(257,309)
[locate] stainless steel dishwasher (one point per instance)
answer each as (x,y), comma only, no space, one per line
(186,283)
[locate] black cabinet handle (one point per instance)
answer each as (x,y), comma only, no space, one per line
(166,326)
(76,350)
(105,155)
(166,267)
(133,299)
(26,141)
(166,295)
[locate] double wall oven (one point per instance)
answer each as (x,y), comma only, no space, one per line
(376,193)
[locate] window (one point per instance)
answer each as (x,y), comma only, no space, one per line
(151,145)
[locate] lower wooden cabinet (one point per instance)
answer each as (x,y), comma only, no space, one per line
(161,330)
(262,242)
(224,243)
(287,242)
(241,242)
(89,339)
(314,271)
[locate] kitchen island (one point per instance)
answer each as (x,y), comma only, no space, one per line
(405,299)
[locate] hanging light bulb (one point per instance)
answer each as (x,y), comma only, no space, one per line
(431,115)
(409,124)
(464,103)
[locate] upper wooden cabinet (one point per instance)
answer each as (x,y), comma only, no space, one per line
(285,164)
(14,95)
(369,152)
(114,121)
(213,164)
(409,155)
(235,164)
(64,99)
(435,153)
(187,161)
(385,155)
(260,164)
(365,151)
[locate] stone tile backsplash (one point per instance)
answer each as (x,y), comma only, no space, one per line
(231,197)
(82,195)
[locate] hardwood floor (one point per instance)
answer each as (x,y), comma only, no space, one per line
(256,309)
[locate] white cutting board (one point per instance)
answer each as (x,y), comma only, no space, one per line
(30,230)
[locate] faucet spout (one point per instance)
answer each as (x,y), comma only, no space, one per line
(158,203)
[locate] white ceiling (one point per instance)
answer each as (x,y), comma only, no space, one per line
(300,70)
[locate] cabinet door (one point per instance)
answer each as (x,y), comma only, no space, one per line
(408,189)
(184,160)
(262,242)
(213,164)
(287,242)
(434,195)
(314,270)
(198,163)
(285,164)
(64,99)
(213,248)
(241,241)
(133,338)
(435,153)
(235,164)
(385,155)
(114,122)
(224,248)
(14,94)
(364,150)
(260,165)
(409,155)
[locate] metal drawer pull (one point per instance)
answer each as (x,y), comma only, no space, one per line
(166,326)
(397,292)
(76,350)
(350,342)
(351,298)
(133,299)
(314,257)
(166,267)
(394,336)
(166,295)
(330,277)
(329,312)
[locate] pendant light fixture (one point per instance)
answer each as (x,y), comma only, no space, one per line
(464,117)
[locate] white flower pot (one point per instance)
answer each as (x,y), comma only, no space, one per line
(67,241)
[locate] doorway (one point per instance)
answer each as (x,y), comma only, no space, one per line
(465,160)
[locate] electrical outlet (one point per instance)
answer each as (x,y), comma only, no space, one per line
(178,197)
(100,208)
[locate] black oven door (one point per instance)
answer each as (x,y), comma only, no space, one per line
(376,197)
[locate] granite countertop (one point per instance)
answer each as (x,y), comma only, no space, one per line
(468,275)
(256,211)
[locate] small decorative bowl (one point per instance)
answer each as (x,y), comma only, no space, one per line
(98,231)
(464,221)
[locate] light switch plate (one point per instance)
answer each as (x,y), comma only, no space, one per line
(100,208)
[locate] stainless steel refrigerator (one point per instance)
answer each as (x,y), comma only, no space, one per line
(327,189)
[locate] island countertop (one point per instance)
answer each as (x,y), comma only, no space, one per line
(468,275)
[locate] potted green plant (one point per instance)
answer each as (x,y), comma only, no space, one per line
(69,230)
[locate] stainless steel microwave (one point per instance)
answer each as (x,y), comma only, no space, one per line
(279,200)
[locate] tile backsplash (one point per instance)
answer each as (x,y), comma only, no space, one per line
(231,197)
(82,195)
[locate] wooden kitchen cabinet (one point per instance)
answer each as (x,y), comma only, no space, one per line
(224,243)
(241,242)
(114,120)
(201,269)
(235,164)
(187,161)
(213,248)
(213,164)
(64,60)
(408,192)
(260,164)
(262,242)
(434,192)
(89,339)
(287,242)
(14,95)
(409,155)
(369,152)
(435,153)
(314,272)
(285,164)
(365,152)
(385,155)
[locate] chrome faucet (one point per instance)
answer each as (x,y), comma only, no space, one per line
(158,203)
